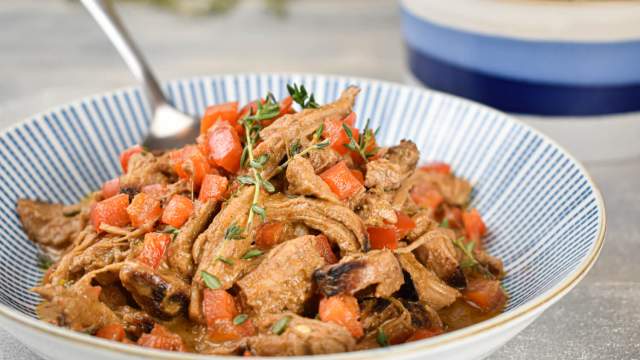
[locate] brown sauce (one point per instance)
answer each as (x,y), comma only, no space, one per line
(461,314)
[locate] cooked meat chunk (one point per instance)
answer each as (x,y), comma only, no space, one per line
(283,280)
(161,294)
(382,174)
(211,245)
(378,268)
(77,307)
(433,291)
(456,191)
(102,253)
(493,264)
(323,159)
(145,169)
(289,128)
(424,223)
(52,226)
(405,154)
(341,225)
(376,211)
(301,336)
(180,255)
(136,322)
(438,252)
(304,181)
(394,321)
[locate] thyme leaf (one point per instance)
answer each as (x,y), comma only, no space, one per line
(240,319)
(211,281)
(225,260)
(382,338)
(251,254)
(281,325)
(301,97)
(233,232)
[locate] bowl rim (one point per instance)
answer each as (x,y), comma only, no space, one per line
(529,308)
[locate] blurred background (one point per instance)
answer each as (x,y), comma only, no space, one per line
(51,52)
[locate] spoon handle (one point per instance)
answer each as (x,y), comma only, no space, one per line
(105,15)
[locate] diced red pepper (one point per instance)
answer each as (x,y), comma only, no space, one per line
(190,163)
(485,294)
(350,119)
(227,111)
(453,215)
(219,310)
(341,180)
(285,106)
(110,188)
(250,108)
(153,249)
(270,234)
(324,248)
(474,226)
(213,188)
(337,136)
(437,167)
(342,310)
(224,146)
(424,334)
(404,225)
(155,190)
(358,175)
(113,332)
(381,237)
(111,211)
(163,339)
(144,210)
(178,210)
(126,155)
(424,195)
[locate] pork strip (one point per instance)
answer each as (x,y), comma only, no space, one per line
(431,290)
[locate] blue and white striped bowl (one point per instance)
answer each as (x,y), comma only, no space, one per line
(545,215)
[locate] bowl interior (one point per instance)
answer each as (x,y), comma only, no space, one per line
(543,213)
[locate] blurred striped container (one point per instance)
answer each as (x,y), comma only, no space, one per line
(570,68)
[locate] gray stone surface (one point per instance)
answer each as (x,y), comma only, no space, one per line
(50,53)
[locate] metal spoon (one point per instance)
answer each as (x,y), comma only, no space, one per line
(170,128)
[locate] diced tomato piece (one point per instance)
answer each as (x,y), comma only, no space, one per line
(324,248)
(342,310)
(381,237)
(155,190)
(224,146)
(285,106)
(424,195)
(250,108)
(404,225)
(163,339)
(213,188)
(358,175)
(126,155)
(247,353)
(341,180)
(485,294)
(226,330)
(350,119)
(144,210)
(218,305)
(227,111)
(474,226)
(110,188)
(111,332)
(453,215)
(111,211)
(153,249)
(337,136)
(190,163)
(270,234)
(178,210)
(424,334)
(437,167)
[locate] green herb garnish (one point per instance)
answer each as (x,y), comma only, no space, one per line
(363,142)
(445,223)
(281,325)
(238,320)
(225,260)
(211,281)
(71,213)
(467,249)
(302,97)
(171,230)
(233,232)
(44,262)
(251,254)
(382,338)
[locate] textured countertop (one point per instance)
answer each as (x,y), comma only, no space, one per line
(51,53)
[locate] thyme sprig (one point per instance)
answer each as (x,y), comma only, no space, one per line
(470,260)
(303,98)
(296,148)
(252,128)
(363,142)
